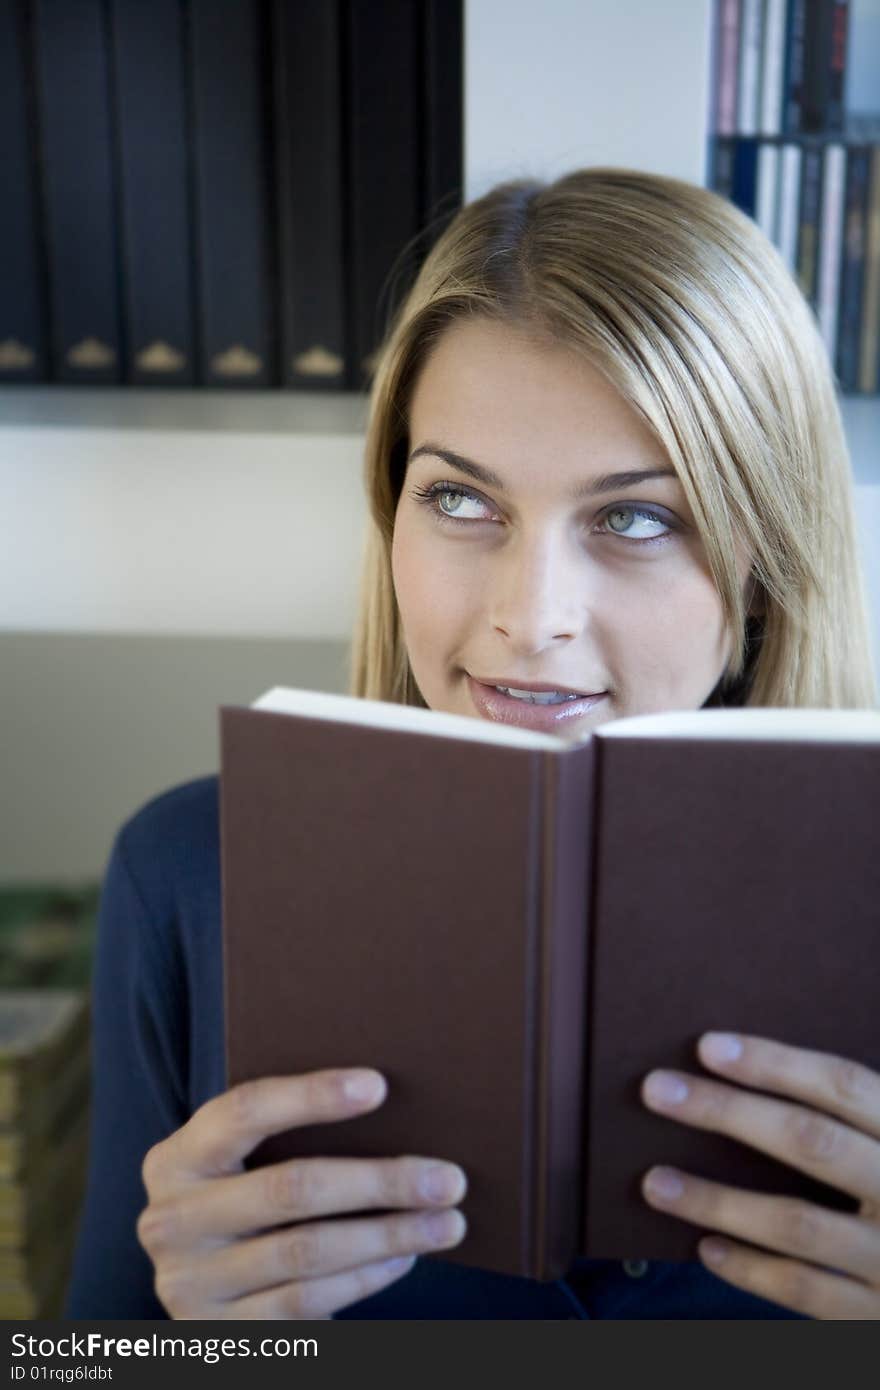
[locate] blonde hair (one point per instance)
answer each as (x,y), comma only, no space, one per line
(692,315)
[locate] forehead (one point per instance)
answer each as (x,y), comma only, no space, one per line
(501,395)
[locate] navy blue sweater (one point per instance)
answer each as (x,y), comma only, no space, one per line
(158,1055)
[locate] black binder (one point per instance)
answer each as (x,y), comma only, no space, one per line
(72,64)
(442,45)
(23,337)
(230,94)
(384,162)
(157,288)
(310,193)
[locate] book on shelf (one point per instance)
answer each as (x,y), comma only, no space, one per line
(514,928)
(852,271)
(310,194)
(725,66)
(808,222)
(442,131)
(773,66)
(23,337)
(831,245)
(384,163)
(72,52)
(149,96)
(826,39)
(232,181)
(869,348)
(749,69)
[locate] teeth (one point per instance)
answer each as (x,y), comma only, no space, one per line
(537,697)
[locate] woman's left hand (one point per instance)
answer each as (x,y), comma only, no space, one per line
(823,1263)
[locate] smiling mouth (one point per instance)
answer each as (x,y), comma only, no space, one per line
(538,692)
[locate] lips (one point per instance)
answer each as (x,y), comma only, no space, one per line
(507,709)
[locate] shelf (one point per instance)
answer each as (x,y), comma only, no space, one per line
(338,414)
(204,411)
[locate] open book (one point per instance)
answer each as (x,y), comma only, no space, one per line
(515,928)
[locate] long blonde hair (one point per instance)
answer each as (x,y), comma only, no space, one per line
(692,315)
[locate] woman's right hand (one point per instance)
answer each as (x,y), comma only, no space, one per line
(211,1227)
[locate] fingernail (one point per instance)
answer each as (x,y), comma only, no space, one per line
(444,1227)
(441,1183)
(362,1086)
(662,1088)
(664,1185)
(720,1047)
(713,1250)
(399,1263)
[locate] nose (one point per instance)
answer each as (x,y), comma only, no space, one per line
(536,595)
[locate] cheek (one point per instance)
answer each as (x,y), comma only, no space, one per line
(670,628)
(427,596)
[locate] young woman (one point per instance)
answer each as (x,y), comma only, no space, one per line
(606,476)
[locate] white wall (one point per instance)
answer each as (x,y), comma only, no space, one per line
(553,86)
(127,530)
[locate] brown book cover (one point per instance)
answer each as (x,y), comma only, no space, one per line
(514,929)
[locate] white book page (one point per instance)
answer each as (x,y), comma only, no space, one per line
(788,725)
(381,714)
(811,725)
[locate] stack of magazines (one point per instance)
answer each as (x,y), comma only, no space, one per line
(44,1112)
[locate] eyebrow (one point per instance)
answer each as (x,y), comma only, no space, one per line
(606,482)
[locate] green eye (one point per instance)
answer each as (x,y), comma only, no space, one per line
(620,521)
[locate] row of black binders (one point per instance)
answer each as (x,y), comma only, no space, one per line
(785,151)
(220,193)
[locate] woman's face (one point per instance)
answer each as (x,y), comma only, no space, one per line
(542,541)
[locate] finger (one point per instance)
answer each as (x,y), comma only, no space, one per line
(840,1242)
(315,1249)
(794,1285)
(253,1202)
(813,1143)
(319,1298)
(223,1131)
(834,1084)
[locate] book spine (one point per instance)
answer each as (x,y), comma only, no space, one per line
(23,335)
(809,221)
(773,67)
(789,198)
(793,83)
(830,245)
(767,196)
(749,77)
(852,277)
(728,65)
(825,63)
(817,64)
(310,191)
(869,348)
(156,257)
(442,49)
(384,156)
(745,175)
(723,148)
(79,189)
(229,97)
(568,809)
(834,118)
